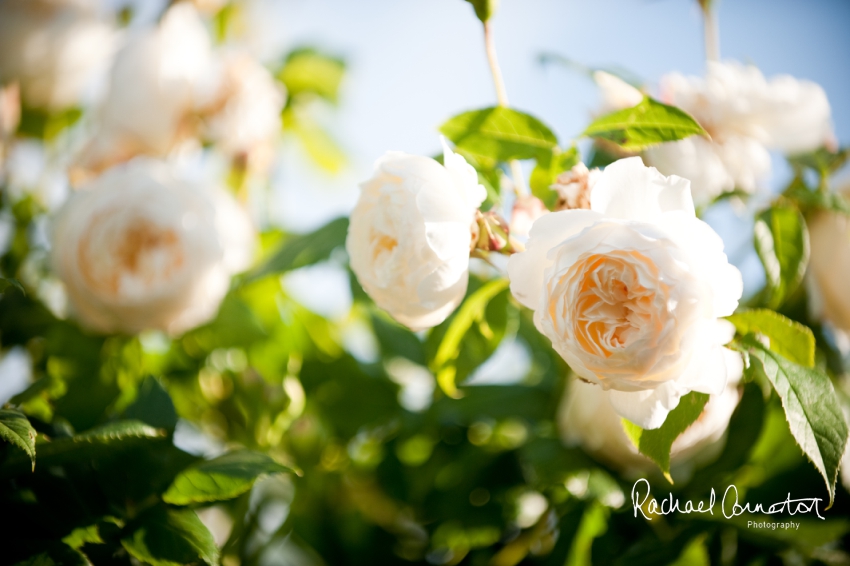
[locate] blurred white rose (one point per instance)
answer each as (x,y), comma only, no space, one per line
(631,292)
(139,249)
(53,48)
(586,417)
(829,267)
(158,78)
(617,94)
(746,115)
(410,234)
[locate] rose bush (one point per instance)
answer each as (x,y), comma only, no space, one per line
(630,292)
(410,234)
(139,249)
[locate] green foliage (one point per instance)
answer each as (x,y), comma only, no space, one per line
(782,244)
(222,478)
(656,443)
(308,71)
(788,338)
(170,537)
(7,282)
(17,430)
(547,170)
(472,312)
(644,125)
(811,408)
(303,250)
(500,134)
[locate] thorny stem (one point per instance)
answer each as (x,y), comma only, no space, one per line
(502,97)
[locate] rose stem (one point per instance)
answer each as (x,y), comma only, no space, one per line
(502,98)
(712,37)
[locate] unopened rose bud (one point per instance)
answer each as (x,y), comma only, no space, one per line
(574,187)
(526,210)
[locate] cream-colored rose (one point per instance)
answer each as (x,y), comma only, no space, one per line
(829,267)
(574,187)
(53,48)
(631,292)
(139,249)
(409,235)
(158,79)
(746,115)
(587,418)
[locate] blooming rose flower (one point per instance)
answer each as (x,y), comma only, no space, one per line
(53,48)
(586,417)
(746,116)
(139,249)
(631,291)
(829,267)
(574,187)
(409,236)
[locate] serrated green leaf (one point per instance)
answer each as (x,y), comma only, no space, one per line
(303,250)
(782,244)
(91,444)
(655,444)
(788,338)
(472,311)
(484,9)
(17,430)
(500,134)
(222,478)
(811,408)
(307,71)
(170,537)
(644,125)
(547,170)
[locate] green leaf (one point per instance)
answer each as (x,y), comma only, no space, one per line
(593,524)
(17,430)
(153,406)
(303,250)
(788,338)
(811,408)
(823,200)
(472,311)
(83,535)
(500,134)
(307,71)
(546,171)
(655,444)
(317,142)
(484,9)
(6,282)
(170,537)
(782,244)
(822,161)
(644,125)
(222,478)
(97,442)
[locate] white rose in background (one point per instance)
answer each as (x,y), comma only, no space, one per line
(587,418)
(409,235)
(631,292)
(829,267)
(617,94)
(139,249)
(54,48)
(746,115)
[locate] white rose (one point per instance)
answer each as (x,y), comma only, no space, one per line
(617,94)
(159,77)
(251,102)
(631,291)
(409,235)
(139,249)
(829,267)
(54,48)
(746,115)
(586,417)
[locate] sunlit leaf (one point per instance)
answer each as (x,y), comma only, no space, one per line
(547,170)
(170,537)
(17,430)
(644,125)
(500,134)
(811,407)
(306,70)
(656,443)
(782,244)
(787,337)
(222,478)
